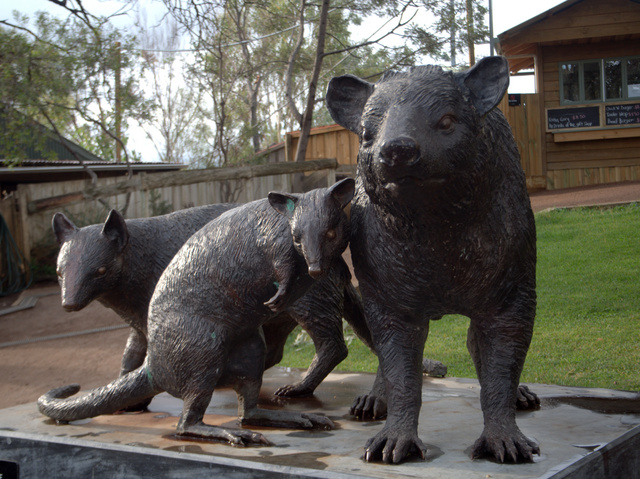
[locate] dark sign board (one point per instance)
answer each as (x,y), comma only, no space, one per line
(515,99)
(628,114)
(578,117)
(9,470)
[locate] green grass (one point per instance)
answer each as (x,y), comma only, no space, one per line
(587,330)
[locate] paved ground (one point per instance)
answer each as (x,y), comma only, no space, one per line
(30,368)
(586,196)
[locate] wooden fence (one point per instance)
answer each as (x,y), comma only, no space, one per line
(28,211)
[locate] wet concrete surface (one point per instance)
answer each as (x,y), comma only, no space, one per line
(571,424)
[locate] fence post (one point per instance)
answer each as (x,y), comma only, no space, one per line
(23,199)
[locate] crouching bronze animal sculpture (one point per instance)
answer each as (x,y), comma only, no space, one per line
(206,313)
(441,224)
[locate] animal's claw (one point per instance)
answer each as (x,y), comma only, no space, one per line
(368,406)
(504,446)
(293,390)
(527,400)
(393,446)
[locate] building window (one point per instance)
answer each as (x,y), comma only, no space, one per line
(591,81)
(613,82)
(570,82)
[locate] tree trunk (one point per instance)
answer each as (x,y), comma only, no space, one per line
(452,32)
(307,118)
(470,33)
(291,63)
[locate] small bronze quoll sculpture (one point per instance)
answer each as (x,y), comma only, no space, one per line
(205,316)
(441,224)
(118,263)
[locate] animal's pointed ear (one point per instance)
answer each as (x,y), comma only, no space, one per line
(115,228)
(487,81)
(63,228)
(343,191)
(283,203)
(346,97)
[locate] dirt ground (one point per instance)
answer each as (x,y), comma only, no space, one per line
(31,362)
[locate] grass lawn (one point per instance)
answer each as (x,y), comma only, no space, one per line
(587,330)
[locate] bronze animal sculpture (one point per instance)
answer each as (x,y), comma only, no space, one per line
(118,263)
(205,316)
(441,224)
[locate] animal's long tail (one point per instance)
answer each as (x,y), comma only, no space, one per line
(125,391)
(354,315)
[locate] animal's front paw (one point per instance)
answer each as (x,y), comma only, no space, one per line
(293,391)
(368,407)
(278,302)
(234,437)
(285,419)
(319,421)
(505,444)
(527,400)
(393,445)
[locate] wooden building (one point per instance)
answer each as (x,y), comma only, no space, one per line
(582,126)
(330,141)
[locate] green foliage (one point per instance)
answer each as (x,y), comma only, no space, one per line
(242,53)
(61,74)
(158,205)
(452,32)
(588,318)
(218,106)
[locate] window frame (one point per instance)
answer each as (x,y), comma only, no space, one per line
(581,89)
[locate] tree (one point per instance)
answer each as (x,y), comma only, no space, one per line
(177,129)
(73,76)
(344,46)
(228,67)
(459,25)
(261,63)
(62,74)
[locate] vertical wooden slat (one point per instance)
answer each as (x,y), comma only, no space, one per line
(23,199)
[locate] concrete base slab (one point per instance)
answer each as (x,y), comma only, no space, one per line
(585,433)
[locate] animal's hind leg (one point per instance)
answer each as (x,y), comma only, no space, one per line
(276,331)
(191,424)
(245,373)
(499,346)
(372,405)
(196,379)
(133,357)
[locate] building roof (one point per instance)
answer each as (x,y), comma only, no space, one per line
(573,21)
(38,171)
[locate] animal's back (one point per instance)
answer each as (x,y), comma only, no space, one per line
(153,243)
(227,267)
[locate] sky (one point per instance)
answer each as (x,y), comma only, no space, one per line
(506,15)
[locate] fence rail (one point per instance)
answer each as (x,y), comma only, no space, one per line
(148,194)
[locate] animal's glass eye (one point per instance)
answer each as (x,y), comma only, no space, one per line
(446,123)
(102,270)
(296,239)
(367,135)
(331,235)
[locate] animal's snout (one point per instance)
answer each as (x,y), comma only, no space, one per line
(401,151)
(315,271)
(72,306)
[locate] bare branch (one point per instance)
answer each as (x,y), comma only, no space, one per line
(400,24)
